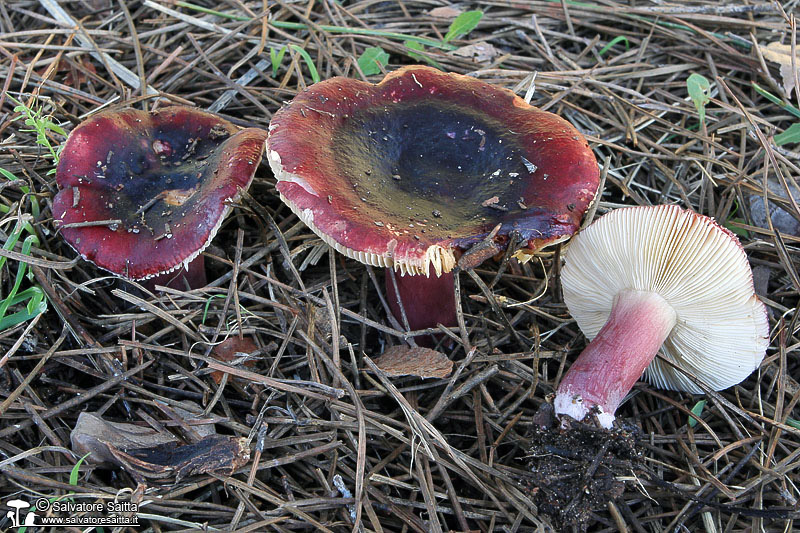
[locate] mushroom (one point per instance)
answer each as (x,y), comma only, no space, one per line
(643,279)
(142,194)
(409,173)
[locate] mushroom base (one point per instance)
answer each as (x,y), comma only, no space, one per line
(607,369)
(427,302)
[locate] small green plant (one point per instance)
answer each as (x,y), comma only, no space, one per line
(76,470)
(208,304)
(616,40)
(372,60)
(42,125)
(73,480)
(22,304)
(698,86)
(25,190)
(414,45)
(244,311)
(730,224)
(697,410)
(276,58)
(32,297)
(792,133)
(463,24)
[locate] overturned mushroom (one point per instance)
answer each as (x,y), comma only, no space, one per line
(142,194)
(408,173)
(644,279)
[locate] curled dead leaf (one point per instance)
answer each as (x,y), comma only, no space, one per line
(93,435)
(782,54)
(147,454)
(213,454)
(421,362)
(229,350)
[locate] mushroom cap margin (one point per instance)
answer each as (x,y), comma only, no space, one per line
(129,138)
(301,158)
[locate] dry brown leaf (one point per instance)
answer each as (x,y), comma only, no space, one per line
(216,453)
(229,349)
(92,435)
(420,362)
(478,52)
(147,454)
(782,54)
(444,12)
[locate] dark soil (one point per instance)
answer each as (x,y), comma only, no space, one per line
(575,467)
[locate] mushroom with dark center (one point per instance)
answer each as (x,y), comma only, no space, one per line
(408,173)
(643,279)
(142,194)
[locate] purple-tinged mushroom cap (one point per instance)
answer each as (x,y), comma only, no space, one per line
(407,172)
(144,193)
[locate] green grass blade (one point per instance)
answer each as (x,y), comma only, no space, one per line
(36,304)
(208,11)
(25,190)
(276,59)
(75,472)
(328,28)
(312,68)
(11,241)
(33,294)
(19,317)
(414,45)
(21,268)
(208,304)
(11,177)
(775,100)
(616,40)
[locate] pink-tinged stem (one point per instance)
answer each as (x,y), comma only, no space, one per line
(427,301)
(194,277)
(610,365)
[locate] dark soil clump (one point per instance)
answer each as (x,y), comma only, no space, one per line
(575,467)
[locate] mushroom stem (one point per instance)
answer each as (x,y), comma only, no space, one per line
(193,276)
(427,301)
(610,365)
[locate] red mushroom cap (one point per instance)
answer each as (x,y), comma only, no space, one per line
(166,176)
(401,173)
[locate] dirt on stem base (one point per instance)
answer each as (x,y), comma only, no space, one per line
(575,467)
